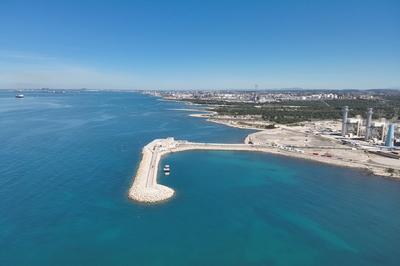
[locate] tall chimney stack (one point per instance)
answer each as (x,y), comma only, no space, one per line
(368,125)
(345,112)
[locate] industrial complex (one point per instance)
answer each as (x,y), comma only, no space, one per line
(372,134)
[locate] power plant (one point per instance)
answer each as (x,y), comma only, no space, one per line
(376,132)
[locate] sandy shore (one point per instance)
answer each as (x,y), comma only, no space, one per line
(213,117)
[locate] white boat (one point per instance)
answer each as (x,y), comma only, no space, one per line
(19,95)
(166,168)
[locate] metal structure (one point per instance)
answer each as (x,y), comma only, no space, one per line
(368,125)
(345,112)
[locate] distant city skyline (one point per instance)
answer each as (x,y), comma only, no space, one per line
(200,44)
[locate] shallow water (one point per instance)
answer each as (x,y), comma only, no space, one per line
(66,163)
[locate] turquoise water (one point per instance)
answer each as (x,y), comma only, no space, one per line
(66,162)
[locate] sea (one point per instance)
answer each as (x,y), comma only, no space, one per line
(67,161)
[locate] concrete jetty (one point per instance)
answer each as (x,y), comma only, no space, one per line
(145,187)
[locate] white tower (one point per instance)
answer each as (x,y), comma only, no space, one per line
(368,125)
(345,112)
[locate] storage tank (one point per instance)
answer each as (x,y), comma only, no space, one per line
(390,136)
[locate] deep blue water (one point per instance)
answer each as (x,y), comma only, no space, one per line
(67,161)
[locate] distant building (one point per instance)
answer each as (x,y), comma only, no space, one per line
(353,126)
(378,130)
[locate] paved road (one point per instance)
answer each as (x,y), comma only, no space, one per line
(151,175)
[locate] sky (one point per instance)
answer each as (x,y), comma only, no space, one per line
(201,44)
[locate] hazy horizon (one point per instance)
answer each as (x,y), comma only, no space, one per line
(194,89)
(200,45)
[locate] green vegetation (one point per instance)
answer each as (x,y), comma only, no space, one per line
(287,112)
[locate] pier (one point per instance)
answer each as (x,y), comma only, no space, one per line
(145,187)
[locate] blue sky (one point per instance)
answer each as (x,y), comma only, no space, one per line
(200,44)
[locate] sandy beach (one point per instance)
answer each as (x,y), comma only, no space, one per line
(213,117)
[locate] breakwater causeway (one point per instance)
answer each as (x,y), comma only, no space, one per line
(145,187)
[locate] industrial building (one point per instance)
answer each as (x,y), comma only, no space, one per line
(378,132)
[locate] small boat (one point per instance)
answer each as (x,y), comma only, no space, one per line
(19,96)
(166,169)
